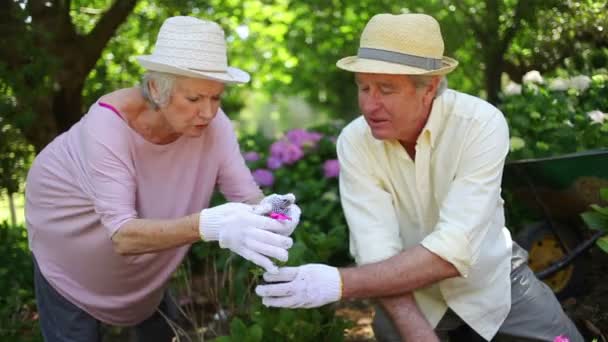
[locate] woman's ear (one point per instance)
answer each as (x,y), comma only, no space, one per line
(154,93)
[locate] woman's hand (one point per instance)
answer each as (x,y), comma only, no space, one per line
(283,205)
(254,237)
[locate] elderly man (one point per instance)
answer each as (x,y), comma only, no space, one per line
(420,185)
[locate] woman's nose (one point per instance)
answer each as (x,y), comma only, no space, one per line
(206,110)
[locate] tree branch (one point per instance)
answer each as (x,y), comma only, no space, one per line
(98,38)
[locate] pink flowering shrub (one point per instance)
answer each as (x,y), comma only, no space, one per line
(303,162)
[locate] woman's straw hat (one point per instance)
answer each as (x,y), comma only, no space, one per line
(408,44)
(192,47)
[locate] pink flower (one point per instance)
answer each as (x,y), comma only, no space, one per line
(303,138)
(286,152)
(251,156)
(263,177)
(279,216)
(561,338)
(273,163)
(331,168)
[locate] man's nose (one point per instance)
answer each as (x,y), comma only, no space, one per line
(369,103)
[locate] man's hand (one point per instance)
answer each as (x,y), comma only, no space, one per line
(237,227)
(281,204)
(307,286)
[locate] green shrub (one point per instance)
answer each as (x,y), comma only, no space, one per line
(18,320)
(563,116)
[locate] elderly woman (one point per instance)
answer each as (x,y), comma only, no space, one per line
(114,203)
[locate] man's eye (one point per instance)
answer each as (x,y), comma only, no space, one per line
(386,91)
(216,98)
(192,99)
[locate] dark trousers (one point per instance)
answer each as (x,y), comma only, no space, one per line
(535,314)
(62,321)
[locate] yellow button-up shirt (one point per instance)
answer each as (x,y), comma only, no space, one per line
(448,201)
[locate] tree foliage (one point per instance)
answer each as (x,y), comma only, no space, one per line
(63,54)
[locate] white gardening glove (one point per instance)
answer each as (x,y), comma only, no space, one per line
(282,205)
(307,286)
(254,237)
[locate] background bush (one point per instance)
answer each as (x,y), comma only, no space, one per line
(18,318)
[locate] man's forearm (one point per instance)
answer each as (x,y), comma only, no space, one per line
(140,236)
(412,269)
(408,319)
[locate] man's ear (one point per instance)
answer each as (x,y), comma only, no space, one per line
(431,90)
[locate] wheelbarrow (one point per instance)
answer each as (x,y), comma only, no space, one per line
(555,191)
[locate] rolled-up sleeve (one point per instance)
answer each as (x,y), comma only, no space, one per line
(373,225)
(111,179)
(467,212)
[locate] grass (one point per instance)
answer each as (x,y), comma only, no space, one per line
(5,213)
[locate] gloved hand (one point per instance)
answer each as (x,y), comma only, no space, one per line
(307,286)
(282,205)
(254,237)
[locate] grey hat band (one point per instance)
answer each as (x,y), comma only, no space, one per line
(400,58)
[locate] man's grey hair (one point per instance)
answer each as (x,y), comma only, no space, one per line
(164,85)
(421,81)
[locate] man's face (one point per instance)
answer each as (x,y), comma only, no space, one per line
(392,106)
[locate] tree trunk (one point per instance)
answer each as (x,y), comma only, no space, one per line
(494,68)
(11,207)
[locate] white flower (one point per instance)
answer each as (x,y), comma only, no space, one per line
(559,84)
(533,77)
(597,117)
(580,82)
(512,89)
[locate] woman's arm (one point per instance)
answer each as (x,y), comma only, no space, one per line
(140,236)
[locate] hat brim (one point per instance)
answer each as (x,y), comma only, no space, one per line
(232,75)
(372,66)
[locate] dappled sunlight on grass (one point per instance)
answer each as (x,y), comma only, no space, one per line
(5,214)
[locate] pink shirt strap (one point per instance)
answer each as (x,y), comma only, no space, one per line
(110,107)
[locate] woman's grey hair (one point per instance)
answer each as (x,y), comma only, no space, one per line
(164,84)
(421,81)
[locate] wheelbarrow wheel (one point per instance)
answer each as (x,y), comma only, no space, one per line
(544,249)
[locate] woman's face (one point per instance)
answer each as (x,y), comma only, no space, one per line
(193,104)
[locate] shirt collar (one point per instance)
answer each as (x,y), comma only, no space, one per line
(434,123)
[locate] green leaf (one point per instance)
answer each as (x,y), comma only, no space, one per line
(604,194)
(595,220)
(238,329)
(601,210)
(223,339)
(255,333)
(602,243)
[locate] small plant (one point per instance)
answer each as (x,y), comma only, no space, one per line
(597,219)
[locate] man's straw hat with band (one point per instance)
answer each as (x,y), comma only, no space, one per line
(405,44)
(192,47)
